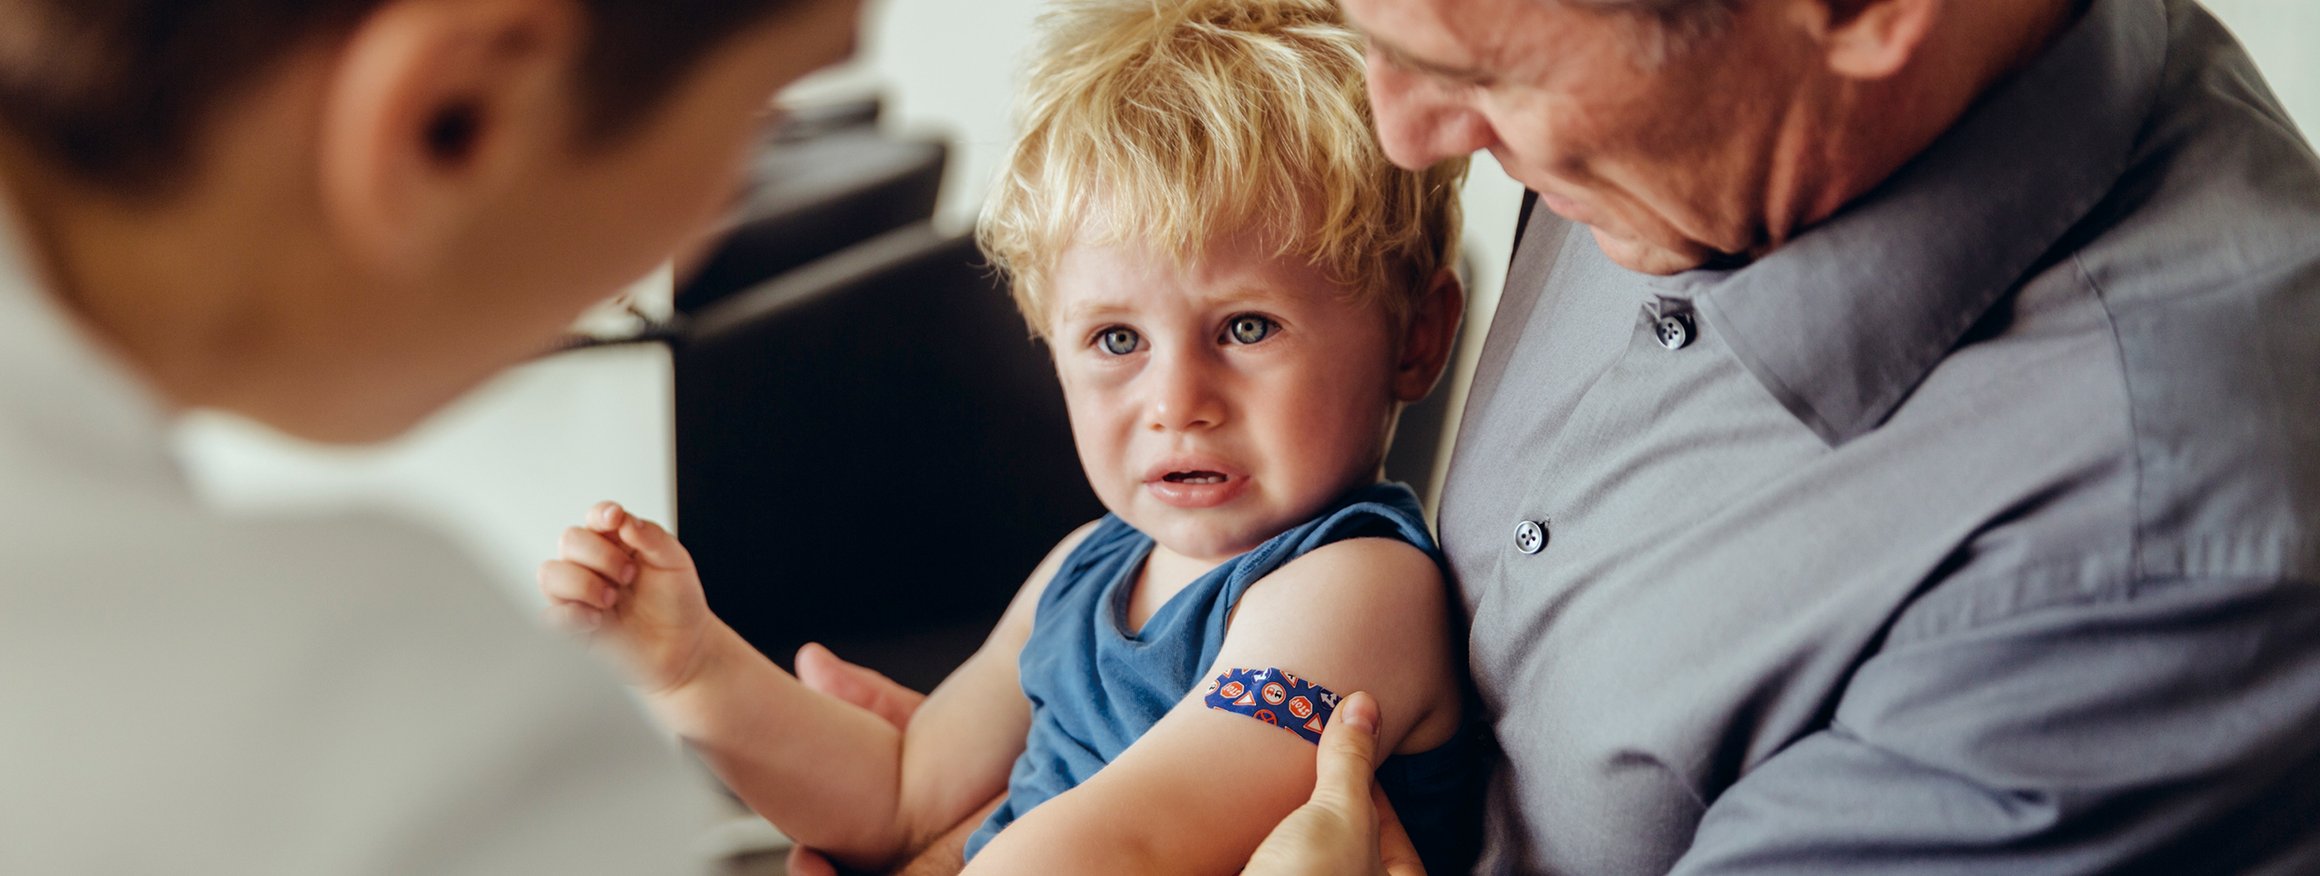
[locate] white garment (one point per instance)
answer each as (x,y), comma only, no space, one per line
(182,692)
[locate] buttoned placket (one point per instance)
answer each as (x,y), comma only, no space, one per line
(1675,324)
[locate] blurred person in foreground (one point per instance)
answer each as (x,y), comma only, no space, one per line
(1897,448)
(332,216)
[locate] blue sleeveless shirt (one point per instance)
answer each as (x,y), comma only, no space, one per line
(1094,688)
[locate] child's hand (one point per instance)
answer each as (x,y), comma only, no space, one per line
(627,581)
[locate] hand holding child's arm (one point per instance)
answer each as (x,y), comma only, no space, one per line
(628,583)
(1347,827)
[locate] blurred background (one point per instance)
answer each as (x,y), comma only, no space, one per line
(836,405)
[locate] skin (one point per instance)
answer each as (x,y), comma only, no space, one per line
(1290,422)
(353,275)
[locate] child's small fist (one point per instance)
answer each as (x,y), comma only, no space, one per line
(628,582)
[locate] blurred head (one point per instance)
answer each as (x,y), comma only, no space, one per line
(1239,289)
(1682,131)
(390,199)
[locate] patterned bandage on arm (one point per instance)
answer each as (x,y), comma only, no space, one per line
(1275,697)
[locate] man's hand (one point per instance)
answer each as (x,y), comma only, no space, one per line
(1347,826)
(824,673)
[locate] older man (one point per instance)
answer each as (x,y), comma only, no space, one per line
(332,216)
(1903,452)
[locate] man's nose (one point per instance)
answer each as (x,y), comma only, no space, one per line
(1184,394)
(1422,123)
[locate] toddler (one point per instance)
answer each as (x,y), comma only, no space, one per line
(1240,293)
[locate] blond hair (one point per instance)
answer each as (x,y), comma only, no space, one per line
(1169,122)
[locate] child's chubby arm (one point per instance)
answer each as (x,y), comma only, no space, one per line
(832,775)
(1200,790)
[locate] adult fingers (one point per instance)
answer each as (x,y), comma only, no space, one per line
(594,551)
(565,582)
(653,545)
(1396,854)
(862,686)
(1348,758)
(807,862)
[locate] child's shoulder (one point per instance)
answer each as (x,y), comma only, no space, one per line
(1376,570)
(1021,609)
(1361,614)
(1387,510)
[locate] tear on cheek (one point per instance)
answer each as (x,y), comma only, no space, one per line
(1282,699)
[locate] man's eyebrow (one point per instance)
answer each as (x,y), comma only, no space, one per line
(1402,58)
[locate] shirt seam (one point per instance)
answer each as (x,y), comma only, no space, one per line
(2136,466)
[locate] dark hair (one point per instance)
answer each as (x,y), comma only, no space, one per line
(114,92)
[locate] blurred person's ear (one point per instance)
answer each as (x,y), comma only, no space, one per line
(1430,336)
(433,111)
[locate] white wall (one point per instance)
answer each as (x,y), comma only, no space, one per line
(2284,37)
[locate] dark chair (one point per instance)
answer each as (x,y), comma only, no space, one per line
(824,183)
(872,453)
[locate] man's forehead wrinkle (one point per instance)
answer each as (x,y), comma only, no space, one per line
(1463,46)
(1391,35)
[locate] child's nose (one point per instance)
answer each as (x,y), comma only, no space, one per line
(1184,396)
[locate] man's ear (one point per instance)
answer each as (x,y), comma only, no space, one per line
(432,109)
(1431,334)
(1869,39)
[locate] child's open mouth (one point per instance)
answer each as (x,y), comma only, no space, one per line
(1194,477)
(1191,487)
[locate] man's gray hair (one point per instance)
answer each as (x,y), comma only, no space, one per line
(1666,27)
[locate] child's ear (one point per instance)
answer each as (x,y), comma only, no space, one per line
(1429,337)
(432,111)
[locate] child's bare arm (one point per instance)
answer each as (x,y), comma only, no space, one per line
(832,775)
(1200,790)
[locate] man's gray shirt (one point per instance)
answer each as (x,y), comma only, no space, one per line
(1977,529)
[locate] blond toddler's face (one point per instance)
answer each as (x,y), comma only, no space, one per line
(1218,404)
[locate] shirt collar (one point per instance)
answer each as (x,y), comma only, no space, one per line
(1844,321)
(61,390)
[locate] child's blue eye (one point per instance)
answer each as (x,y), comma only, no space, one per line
(1118,341)
(1249,328)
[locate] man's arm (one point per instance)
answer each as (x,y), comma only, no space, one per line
(2172,730)
(1198,791)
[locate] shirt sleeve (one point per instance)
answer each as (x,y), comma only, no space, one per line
(2173,730)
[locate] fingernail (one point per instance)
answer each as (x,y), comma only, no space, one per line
(628,573)
(1363,717)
